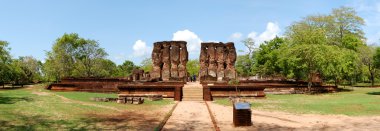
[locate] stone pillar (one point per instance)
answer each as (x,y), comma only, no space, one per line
(174,59)
(203,62)
(156,60)
(165,73)
(220,59)
(230,61)
(212,60)
(184,57)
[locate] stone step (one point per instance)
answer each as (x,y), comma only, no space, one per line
(200,89)
(193,92)
(198,96)
(192,99)
(190,92)
(201,97)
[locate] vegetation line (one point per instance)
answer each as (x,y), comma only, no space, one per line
(212,118)
(163,122)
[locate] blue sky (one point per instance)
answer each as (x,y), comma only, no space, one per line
(127,29)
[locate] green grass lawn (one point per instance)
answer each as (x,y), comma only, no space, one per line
(359,102)
(39,109)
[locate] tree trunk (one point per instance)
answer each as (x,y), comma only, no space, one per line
(309,86)
(372,79)
(309,83)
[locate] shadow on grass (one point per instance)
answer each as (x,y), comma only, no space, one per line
(15,87)
(345,89)
(36,122)
(373,93)
(12,100)
(122,121)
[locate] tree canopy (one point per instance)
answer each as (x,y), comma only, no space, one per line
(332,45)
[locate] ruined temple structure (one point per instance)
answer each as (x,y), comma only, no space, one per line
(169,60)
(217,61)
(139,75)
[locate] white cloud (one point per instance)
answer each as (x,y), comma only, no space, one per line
(193,41)
(236,36)
(140,49)
(369,10)
(272,30)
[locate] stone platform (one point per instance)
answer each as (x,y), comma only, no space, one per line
(166,89)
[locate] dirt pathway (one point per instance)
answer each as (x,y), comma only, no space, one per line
(265,120)
(190,115)
(67,100)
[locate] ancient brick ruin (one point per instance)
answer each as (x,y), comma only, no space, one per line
(139,75)
(168,76)
(169,61)
(217,61)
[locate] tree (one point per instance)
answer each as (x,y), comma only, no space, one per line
(376,58)
(339,63)
(347,25)
(5,61)
(193,67)
(30,67)
(19,72)
(88,54)
(250,44)
(62,56)
(341,28)
(243,65)
(324,44)
(367,58)
(50,70)
(146,64)
(126,68)
(72,56)
(306,59)
(266,57)
(104,68)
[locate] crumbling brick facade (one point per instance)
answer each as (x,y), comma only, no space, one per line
(217,61)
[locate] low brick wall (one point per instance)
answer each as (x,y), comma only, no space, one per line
(86,87)
(115,85)
(210,91)
(88,84)
(257,88)
(167,90)
(96,80)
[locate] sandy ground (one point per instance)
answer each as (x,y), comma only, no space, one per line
(130,120)
(265,120)
(190,115)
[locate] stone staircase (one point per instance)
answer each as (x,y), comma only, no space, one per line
(192,91)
